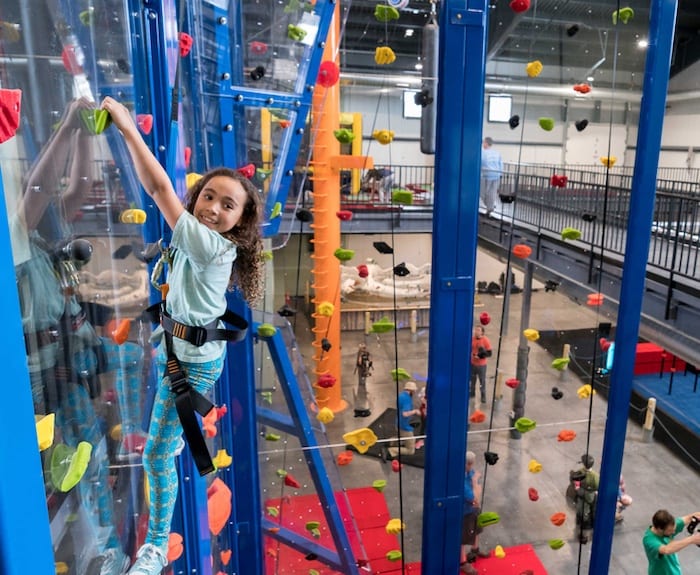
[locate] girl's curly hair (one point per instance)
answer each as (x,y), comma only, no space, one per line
(247,272)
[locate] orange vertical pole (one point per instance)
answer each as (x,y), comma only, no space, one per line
(325,109)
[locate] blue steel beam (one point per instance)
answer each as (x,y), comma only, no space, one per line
(457,170)
(641,214)
(236,389)
(25,538)
(290,387)
(302,544)
(277,420)
(237,385)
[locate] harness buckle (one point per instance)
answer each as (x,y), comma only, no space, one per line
(178,380)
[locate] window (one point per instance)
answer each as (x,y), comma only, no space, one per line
(410,108)
(500,108)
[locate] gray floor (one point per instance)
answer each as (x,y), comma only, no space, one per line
(655,478)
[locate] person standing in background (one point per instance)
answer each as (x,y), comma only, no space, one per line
(481,351)
(491,170)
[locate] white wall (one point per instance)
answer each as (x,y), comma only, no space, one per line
(382,108)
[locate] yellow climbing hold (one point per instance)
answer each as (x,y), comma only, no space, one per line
(531,334)
(384,137)
(45,425)
(534,68)
(132,216)
(499,552)
(608,162)
(585,391)
(361,439)
(534,466)
(191,179)
(384,55)
(325,308)
(395,526)
(222,459)
(325,415)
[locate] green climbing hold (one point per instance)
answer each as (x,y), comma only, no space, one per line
(385,13)
(570,234)
(266,330)
(295,33)
(400,374)
(85,17)
(312,525)
(68,465)
(272,437)
(344,255)
(547,124)
(273,511)
(525,424)
(394,555)
(401,196)
(624,15)
(487,518)
(560,363)
(344,135)
(96,121)
(267,397)
(281,473)
(267,255)
(379,484)
(383,325)
(276,210)
(556,543)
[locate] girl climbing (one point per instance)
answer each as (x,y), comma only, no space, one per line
(217,243)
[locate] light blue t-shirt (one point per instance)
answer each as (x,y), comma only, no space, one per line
(198,281)
(491,164)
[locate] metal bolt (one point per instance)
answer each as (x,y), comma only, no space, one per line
(222,20)
(270,101)
(239,97)
(290,172)
(225,76)
(300,131)
(228,128)
(297,103)
(161,148)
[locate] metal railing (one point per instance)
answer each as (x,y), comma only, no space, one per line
(594,200)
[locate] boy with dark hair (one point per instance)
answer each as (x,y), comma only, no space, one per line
(660,546)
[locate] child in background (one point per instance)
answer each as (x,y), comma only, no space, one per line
(218,246)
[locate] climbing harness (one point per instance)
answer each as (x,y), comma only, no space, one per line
(187,399)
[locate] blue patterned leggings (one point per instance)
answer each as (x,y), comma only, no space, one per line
(163,433)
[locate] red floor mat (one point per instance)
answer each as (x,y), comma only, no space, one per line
(519,560)
(366,506)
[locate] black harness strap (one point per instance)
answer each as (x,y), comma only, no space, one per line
(189,401)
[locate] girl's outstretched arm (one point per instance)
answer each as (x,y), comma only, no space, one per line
(152,175)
